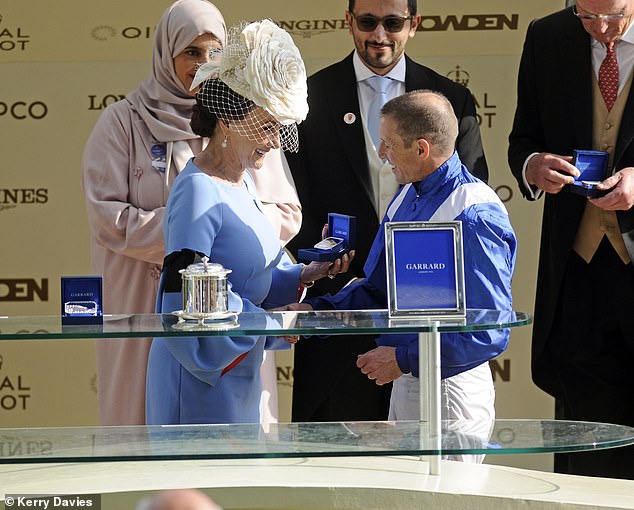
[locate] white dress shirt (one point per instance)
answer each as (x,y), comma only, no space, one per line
(384,184)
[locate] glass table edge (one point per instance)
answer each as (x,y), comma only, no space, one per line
(43,327)
(624,436)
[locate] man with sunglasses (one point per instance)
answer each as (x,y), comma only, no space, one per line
(338,170)
(574,92)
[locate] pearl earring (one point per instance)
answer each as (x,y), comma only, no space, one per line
(224,143)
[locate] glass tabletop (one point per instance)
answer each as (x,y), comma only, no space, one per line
(325,322)
(286,440)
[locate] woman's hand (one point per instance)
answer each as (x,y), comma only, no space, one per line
(318,270)
(293,307)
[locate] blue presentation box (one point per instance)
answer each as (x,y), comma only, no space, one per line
(592,166)
(425,269)
(340,240)
(82,299)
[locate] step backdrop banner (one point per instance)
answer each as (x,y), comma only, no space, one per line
(61,68)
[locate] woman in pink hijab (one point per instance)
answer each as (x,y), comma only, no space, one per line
(136,150)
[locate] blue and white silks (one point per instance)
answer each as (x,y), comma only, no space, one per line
(450,193)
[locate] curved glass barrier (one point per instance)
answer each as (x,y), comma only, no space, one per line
(182,442)
(268,323)
(86,444)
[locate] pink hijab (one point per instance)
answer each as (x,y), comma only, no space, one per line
(161,100)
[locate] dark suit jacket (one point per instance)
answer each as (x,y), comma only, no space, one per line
(331,169)
(554,114)
(331,174)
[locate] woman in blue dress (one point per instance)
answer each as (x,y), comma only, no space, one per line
(249,102)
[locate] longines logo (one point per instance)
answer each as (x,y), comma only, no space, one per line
(20,110)
(11,198)
(21,448)
(307,28)
(285,376)
(23,289)
(501,371)
(13,38)
(14,393)
(505,193)
(100,102)
(107,32)
(504,436)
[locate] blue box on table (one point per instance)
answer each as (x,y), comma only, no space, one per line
(82,300)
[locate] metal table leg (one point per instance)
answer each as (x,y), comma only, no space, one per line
(429,381)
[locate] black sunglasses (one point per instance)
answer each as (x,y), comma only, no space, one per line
(368,22)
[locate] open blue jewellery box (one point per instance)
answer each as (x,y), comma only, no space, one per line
(593,167)
(340,240)
(81,300)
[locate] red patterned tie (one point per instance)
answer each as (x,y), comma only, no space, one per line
(609,77)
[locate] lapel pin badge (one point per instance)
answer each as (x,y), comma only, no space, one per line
(349,118)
